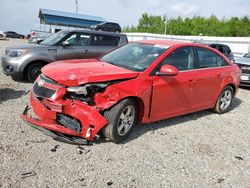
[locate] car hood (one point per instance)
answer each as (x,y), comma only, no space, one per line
(29,47)
(78,72)
(243,60)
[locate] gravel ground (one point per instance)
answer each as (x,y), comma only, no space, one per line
(198,150)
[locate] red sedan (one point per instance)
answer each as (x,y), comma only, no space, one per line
(145,81)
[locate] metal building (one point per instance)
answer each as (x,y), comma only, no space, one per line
(58,18)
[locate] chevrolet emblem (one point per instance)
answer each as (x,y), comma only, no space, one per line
(41,83)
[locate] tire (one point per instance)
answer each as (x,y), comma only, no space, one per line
(122,116)
(33,71)
(224,101)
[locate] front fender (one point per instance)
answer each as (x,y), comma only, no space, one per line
(136,88)
(36,56)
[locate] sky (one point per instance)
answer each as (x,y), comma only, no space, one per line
(22,15)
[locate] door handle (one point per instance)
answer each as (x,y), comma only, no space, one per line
(86,51)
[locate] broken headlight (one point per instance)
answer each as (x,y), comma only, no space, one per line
(86,92)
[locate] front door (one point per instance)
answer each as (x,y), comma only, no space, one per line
(173,95)
(77,47)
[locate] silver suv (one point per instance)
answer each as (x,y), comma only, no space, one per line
(24,62)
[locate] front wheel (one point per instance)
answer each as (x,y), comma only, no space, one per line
(122,117)
(224,101)
(34,71)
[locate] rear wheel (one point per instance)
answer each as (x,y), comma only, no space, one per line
(224,101)
(122,118)
(33,71)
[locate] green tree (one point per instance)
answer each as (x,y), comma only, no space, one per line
(196,25)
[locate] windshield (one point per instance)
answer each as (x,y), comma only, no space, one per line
(135,56)
(54,38)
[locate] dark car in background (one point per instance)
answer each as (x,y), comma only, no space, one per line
(107,26)
(12,34)
(24,62)
(223,48)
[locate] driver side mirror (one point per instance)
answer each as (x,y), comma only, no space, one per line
(168,70)
(65,44)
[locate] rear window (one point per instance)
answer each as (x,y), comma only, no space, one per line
(208,59)
(104,40)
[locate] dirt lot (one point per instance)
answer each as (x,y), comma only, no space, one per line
(197,150)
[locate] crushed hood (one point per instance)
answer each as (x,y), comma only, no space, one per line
(81,71)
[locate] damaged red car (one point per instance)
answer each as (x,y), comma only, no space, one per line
(144,81)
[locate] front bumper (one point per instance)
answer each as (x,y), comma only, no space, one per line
(10,66)
(47,118)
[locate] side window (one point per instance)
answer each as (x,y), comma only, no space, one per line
(208,59)
(84,39)
(182,59)
(104,40)
(72,40)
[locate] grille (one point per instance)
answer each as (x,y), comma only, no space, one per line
(42,92)
(244,68)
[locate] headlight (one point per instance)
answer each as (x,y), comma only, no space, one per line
(78,90)
(17,52)
(83,90)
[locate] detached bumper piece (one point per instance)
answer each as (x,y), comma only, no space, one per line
(74,122)
(69,122)
(59,136)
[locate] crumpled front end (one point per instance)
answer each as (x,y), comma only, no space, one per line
(60,114)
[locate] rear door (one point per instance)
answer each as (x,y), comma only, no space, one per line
(208,78)
(101,44)
(77,48)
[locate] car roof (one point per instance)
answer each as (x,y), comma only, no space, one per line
(162,42)
(215,44)
(96,32)
(171,43)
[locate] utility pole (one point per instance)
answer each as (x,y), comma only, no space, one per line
(76,6)
(166,24)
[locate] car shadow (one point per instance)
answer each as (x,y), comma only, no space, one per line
(139,129)
(235,103)
(8,93)
(245,88)
(153,127)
